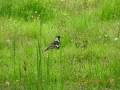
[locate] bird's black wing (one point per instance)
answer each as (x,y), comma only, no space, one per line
(53,45)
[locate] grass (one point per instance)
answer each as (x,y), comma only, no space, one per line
(89,54)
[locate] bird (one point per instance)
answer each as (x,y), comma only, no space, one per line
(55,44)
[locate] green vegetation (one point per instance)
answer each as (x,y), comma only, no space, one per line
(89,55)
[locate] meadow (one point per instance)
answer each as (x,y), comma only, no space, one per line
(89,54)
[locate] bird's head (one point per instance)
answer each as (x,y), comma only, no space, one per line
(58,38)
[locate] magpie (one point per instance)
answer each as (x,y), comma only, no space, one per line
(55,44)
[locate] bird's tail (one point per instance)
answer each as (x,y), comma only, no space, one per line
(46,49)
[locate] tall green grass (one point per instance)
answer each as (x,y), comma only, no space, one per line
(27,10)
(110,10)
